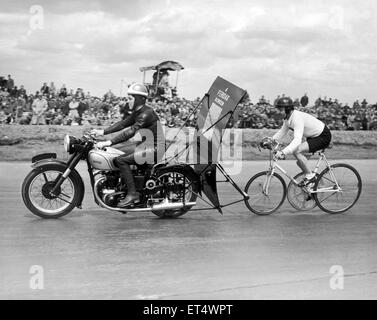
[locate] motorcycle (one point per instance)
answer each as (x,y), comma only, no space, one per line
(54,187)
(168,189)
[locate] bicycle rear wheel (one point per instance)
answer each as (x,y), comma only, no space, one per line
(338,189)
(266,193)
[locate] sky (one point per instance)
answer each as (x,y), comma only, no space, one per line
(267,47)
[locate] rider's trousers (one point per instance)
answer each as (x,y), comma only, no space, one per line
(133,154)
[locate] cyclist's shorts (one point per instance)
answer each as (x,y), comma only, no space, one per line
(321,142)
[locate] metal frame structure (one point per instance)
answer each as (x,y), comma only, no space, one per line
(227,177)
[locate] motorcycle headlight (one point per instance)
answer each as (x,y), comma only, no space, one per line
(67,143)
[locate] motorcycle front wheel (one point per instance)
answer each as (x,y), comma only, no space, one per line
(36,192)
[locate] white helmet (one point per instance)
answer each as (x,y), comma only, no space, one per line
(138,89)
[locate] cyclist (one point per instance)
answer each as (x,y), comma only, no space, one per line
(317,134)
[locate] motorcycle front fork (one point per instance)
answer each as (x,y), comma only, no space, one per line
(72,163)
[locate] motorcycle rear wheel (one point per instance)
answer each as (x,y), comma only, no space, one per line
(191,197)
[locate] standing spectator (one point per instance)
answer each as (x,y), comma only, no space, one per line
(168,94)
(364,104)
(80,93)
(108,95)
(83,106)
(318,102)
(164,80)
(73,106)
(105,106)
(45,90)
(345,120)
(39,107)
(20,109)
(14,92)
(276,100)
(10,83)
(3,82)
(364,122)
(262,101)
(3,116)
(4,93)
(63,92)
(52,89)
(304,100)
(64,105)
(22,92)
(356,104)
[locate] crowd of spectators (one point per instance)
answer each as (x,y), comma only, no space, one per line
(60,106)
(337,116)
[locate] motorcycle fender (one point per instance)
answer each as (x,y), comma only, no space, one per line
(43,156)
(48,161)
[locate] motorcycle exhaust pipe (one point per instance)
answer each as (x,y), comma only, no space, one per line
(162,206)
(171,206)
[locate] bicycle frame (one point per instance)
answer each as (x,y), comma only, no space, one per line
(275,167)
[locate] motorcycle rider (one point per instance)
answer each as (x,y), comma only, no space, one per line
(142,117)
(317,134)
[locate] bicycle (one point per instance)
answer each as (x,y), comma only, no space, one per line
(336,189)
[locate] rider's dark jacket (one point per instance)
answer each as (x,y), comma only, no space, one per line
(143,118)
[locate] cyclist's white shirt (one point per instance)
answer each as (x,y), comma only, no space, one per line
(303,125)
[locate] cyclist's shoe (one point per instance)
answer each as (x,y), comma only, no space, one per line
(309,183)
(309,197)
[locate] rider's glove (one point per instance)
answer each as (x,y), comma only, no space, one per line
(267,143)
(103,144)
(280,155)
(97,132)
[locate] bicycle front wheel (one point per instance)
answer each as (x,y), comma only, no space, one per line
(266,193)
(338,188)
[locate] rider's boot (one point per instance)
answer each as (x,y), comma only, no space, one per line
(132,197)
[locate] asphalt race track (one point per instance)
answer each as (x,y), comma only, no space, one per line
(97,254)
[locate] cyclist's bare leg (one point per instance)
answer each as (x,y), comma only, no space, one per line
(302,162)
(299,163)
(300,166)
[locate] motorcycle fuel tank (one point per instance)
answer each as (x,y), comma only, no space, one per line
(104,159)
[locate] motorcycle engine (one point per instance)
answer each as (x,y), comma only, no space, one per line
(110,189)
